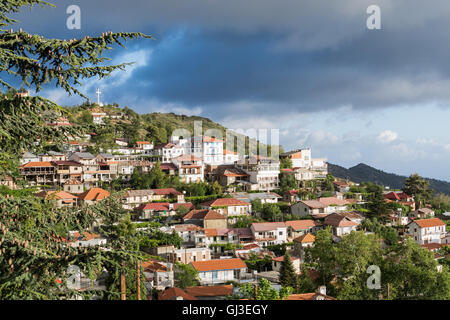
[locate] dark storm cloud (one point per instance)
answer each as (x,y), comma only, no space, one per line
(276,56)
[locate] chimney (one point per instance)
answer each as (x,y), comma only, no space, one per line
(323,290)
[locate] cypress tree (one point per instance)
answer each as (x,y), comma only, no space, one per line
(288,277)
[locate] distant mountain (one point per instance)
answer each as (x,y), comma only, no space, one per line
(364,173)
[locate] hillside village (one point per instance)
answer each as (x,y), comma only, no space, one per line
(230,219)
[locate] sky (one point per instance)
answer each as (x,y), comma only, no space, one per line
(311,69)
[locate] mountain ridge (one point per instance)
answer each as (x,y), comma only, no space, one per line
(365,173)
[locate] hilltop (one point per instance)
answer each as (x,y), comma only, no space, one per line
(156,127)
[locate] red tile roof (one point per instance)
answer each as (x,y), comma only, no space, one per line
(210,291)
(37,164)
(306,238)
(221,202)
(204,214)
(164,206)
(281,259)
(56,195)
(219,264)
(427,223)
(300,224)
(94,194)
(308,296)
(171,293)
(167,191)
(267,226)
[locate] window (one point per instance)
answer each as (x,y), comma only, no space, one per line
(214,275)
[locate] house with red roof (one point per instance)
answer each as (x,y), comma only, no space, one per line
(277,262)
(190,168)
(229,207)
(269,233)
(144,146)
(158,274)
(160,209)
(426,231)
(302,242)
(320,207)
(340,224)
(93,196)
(170,194)
(60,198)
(39,172)
(296,228)
(219,270)
(206,218)
(401,198)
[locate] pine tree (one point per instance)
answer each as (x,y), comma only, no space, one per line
(34,256)
(418,187)
(288,277)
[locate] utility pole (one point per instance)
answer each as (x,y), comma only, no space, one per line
(138,275)
(123,288)
(388,292)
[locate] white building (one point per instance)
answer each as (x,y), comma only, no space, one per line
(263,172)
(269,233)
(304,166)
(340,224)
(229,207)
(219,270)
(144,147)
(190,168)
(168,151)
(230,157)
(208,148)
(188,255)
(28,157)
(427,230)
(322,206)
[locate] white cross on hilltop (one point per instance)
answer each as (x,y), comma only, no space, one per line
(98,95)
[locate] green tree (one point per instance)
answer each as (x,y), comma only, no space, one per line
(257,206)
(271,212)
(85,118)
(411,272)
(288,182)
(418,187)
(185,276)
(305,283)
(288,277)
(264,291)
(376,204)
(285,163)
(322,257)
